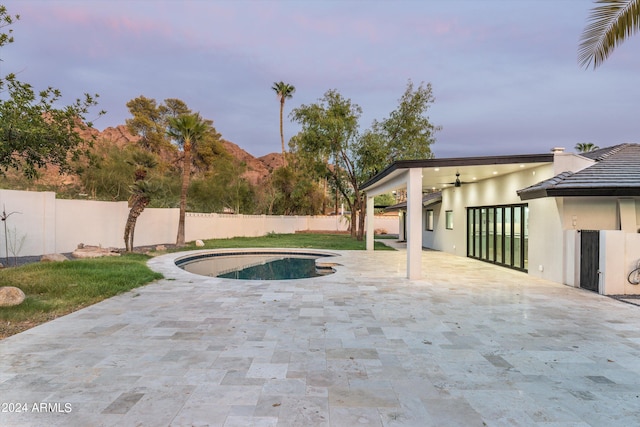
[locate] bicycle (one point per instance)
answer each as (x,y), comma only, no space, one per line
(634,276)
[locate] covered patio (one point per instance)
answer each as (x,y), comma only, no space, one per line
(422,176)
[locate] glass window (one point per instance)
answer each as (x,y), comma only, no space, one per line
(507,236)
(428,225)
(476,232)
(470,228)
(483,234)
(517,237)
(449,220)
(526,237)
(490,234)
(499,251)
(499,234)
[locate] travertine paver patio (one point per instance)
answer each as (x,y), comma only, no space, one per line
(470,345)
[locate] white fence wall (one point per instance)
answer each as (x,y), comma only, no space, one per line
(619,255)
(89,222)
(31,222)
(42,224)
(631,261)
(611,269)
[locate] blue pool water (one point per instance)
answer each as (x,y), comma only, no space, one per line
(253,265)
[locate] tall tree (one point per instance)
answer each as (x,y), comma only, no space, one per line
(585,147)
(150,121)
(406,134)
(330,131)
(34,132)
(186,130)
(296,192)
(611,22)
(284,91)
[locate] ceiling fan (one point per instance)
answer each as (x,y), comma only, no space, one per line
(457,182)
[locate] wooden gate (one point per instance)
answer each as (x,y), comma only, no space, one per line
(590,260)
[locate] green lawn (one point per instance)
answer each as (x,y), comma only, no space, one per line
(298,240)
(58,288)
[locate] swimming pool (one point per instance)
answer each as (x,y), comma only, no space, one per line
(257,264)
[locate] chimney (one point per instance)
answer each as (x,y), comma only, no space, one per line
(557,150)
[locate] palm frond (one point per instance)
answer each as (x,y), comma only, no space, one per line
(187,127)
(283,90)
(610,24)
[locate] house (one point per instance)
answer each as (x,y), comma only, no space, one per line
(569,218)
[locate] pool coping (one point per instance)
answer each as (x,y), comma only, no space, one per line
(171,269)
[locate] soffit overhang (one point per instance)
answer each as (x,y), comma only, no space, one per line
(438,174)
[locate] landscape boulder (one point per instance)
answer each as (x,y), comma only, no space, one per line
(94,252)
(199,243)
(10,296)
(53,258)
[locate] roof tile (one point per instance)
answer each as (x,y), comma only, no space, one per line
(615,173)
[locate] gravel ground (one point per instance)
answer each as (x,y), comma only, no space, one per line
(22,260)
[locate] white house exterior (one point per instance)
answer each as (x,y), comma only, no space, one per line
(527,212)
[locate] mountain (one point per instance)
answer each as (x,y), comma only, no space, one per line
(119,135)
(257,168)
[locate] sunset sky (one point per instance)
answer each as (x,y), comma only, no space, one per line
(504,73)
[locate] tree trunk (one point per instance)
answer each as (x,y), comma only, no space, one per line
(361,217)
(284,157)
(324,197)
(137,206)
(186,172)
(354,223)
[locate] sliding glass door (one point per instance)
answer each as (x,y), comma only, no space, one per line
(499,234)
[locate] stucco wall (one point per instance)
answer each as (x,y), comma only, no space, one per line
(155,226)
(428,237)
(31,222)
(619,255)
(543,215)
(631,260)
(590,213)
(571,258)
(546,249)
(612,260)
(42,224)
(89,222)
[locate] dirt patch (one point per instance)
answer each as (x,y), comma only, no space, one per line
(11,328)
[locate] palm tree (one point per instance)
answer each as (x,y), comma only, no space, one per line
(585,147)
(186,130)
(284,91)
(610,24)
(141,192)
(140,199)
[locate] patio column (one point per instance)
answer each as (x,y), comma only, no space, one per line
(414,224)
(370,225)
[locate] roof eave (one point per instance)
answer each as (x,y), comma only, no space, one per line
(459,161)
(580,192)
(532,194)
(594,191)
